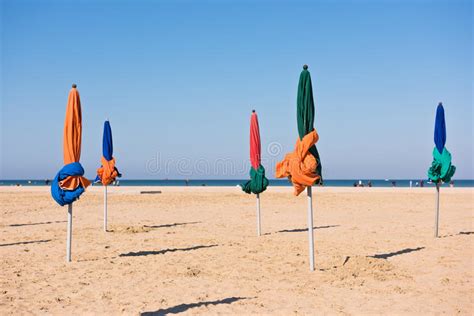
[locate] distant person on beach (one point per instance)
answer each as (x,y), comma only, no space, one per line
(422,183)
(451,184)
(394,183)
(369,184)
(355,184)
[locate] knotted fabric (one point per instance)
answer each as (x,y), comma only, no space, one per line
(300,165)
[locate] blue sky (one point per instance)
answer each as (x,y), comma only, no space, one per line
(178,79)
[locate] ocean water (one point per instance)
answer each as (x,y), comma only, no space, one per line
(327,183)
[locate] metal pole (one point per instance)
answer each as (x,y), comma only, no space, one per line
(105,208)
(310,228)
(258,215)
(437,210)
(69,232)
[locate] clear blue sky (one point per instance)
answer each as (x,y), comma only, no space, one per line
(178,79)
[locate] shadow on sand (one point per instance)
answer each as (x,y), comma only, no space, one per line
(460,233)
(32,224)
(396,253)
(300,230)
(377,256)
(163,251)
(184,307)
(170,225)
(26,242)
(96,259)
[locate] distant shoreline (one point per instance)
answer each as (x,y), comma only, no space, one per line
(403,183)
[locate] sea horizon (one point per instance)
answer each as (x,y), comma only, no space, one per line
(235,182)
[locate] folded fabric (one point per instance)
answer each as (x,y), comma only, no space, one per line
(441,168)
(257,183)
(300,166)
(107,172)
(69,184)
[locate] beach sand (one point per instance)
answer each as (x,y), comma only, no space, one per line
(195,250)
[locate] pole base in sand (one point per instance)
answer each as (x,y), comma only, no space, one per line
(69,233)
(258,216)
(310,228)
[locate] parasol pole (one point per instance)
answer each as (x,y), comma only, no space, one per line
(437,210)
(105,199)
(310,228)
(69,232)
(105,208)
(258,215)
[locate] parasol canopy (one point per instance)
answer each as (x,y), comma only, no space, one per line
(440,129)
(303,165)
(69,183)
(441,168)
(107,171)
(107,143)
(258,182)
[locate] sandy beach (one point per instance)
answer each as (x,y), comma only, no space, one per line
(195,250)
